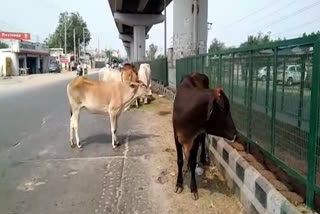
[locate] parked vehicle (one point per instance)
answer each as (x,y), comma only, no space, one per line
(54,66)
(79,69)
(292,74)
(262,73)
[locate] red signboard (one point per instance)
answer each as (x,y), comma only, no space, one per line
(64,60)
(14,36)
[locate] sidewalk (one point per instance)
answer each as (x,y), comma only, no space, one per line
(17,83)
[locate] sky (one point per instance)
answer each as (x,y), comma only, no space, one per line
(232,20)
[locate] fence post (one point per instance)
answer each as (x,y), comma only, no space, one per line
(267,86)
(283,83)
(250,96)
(165,61)
(274,99)
(232,76)
(303,69)
(220,70)
(314,118)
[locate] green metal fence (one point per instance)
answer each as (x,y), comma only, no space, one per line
(159,70)
(274,91)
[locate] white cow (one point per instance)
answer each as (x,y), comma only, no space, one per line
(144,75)
(109,74)
(101,97)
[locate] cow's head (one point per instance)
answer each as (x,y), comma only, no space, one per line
(200,80)
(220,122)
(131,67)
(140,89)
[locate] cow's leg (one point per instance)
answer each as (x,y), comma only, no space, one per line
(192,164)
(145,99)
(114,126)
(202,142)
(75,125)
(72,144)
(179,185)
(137,102)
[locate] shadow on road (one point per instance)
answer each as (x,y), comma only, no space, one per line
(107,138)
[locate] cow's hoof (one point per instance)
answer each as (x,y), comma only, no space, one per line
(116,145)
(195,196)
(72,145)
(79,146)
(178,190)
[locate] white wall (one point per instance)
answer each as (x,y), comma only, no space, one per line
(14,61)
(45,61)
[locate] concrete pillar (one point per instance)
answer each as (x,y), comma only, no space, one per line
(131,51)
(38,64)
(139,23)
(139,40)
(184,35)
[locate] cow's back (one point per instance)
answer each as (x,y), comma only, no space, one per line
(110,74)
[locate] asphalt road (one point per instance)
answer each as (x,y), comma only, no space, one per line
(40,173)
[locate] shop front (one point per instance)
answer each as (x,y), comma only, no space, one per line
(26,58)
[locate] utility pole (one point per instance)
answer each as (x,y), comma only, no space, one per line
(98,47)
(84,42)
(65,35)
(79,49)
(74,45)
(195,27)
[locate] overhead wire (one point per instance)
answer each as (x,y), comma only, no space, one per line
(294,13)
(275,11)
(296,27)
(251,14)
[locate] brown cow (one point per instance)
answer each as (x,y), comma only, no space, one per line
(198,110)
(101,97)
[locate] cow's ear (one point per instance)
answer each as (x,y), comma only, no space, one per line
(219,100)
(217,92)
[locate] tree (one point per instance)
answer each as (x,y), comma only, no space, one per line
(72,21)
(256,40)
(151,53)
(311,34)
(3,45)
(160,56)
(109,55)
(216,46)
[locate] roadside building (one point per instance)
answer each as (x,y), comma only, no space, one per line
(57,53)
(23,57)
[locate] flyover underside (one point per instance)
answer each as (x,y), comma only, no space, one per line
(134,19)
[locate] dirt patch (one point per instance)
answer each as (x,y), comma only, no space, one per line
(215,196)
(286,185)
(164,113)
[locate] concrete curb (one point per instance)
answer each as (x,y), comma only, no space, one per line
(159,88)
(256,193)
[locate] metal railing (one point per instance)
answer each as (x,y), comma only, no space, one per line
(159,70)
(274,94)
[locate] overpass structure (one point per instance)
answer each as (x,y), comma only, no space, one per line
(134,19)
